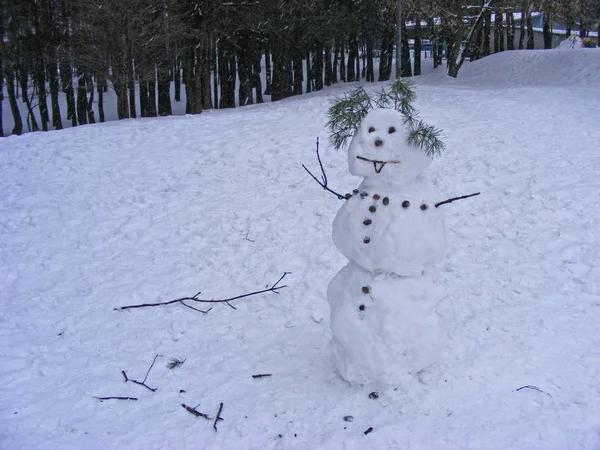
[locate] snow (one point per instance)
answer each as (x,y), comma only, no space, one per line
(149,210)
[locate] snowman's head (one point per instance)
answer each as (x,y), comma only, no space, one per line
(379,151)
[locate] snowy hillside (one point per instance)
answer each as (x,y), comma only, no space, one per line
(558,67)
(149,210)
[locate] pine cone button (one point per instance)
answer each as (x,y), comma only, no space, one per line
(367,222)
(405,204)
(373,208)
(348,196)
(361,307)
(376,197)
(386,200)
(366,289)
(424,207)
(367,240)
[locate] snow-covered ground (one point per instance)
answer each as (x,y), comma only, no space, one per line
(149,210)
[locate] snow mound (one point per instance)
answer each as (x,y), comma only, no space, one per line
(577,67)
(571,43)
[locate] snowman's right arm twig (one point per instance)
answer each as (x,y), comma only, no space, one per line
(450,200)
(323,183)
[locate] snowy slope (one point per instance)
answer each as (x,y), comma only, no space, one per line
(150,210)
(580,67)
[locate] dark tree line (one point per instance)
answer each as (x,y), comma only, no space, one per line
(217,49)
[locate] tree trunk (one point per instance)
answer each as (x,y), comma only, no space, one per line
(329,77)
(547,32)
(350,74)
(343,77)
(226,75)
(257,81)
(510,31)
(66,78)
(204,76)
(405,54)
(164,90)
(318,68)
(122,104)
(189,79)
(336,57)
(268,73)
(370,70)
(143,97)
(100,85)
(81,97)
(39,36)
(152,97)
(53,81)
(417,58)
(12,100)
(177,79)
(487,27)
(530,36)
(90,101)
(309,73)
(31,120)
(522,31)
(298,72)
(131,86)
(245,74)
(1,71)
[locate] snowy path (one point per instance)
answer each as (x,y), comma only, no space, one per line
(141,211)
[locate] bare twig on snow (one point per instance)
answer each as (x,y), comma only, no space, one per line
(218,417)
(275,288)
(143,382)
(115,398)
(194,411)
(450,200)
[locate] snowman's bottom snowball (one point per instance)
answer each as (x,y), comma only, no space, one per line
(394,329)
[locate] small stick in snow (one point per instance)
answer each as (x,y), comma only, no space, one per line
(262,375)
(535,388)
(115,398)
(218,417)
(323,182)
(194,411)
(143,382)
(195,298)
(368,430)
(450,200)
(247,237)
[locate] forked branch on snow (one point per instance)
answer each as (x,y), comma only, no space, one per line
(275,288)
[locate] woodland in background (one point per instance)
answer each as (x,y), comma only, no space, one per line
(84,47)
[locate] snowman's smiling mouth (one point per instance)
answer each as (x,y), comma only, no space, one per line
(378,165)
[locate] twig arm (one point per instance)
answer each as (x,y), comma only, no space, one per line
(450,200)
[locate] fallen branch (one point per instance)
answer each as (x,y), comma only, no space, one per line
(143,382)
(368,430)
(323,182)
(195,298)
(534,388)
(262,375)
(450,200)
(218,417)
(194,411)
(115,398)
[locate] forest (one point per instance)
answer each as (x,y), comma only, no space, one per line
(216,49)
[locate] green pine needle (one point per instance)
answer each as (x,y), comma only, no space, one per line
(175,362)
(346,113)
(426,137)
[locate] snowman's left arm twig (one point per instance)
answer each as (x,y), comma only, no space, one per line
(323,183)
(450,200)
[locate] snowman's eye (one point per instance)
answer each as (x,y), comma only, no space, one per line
(371,129)
(392,130)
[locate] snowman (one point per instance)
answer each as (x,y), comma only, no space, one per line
(386,310)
